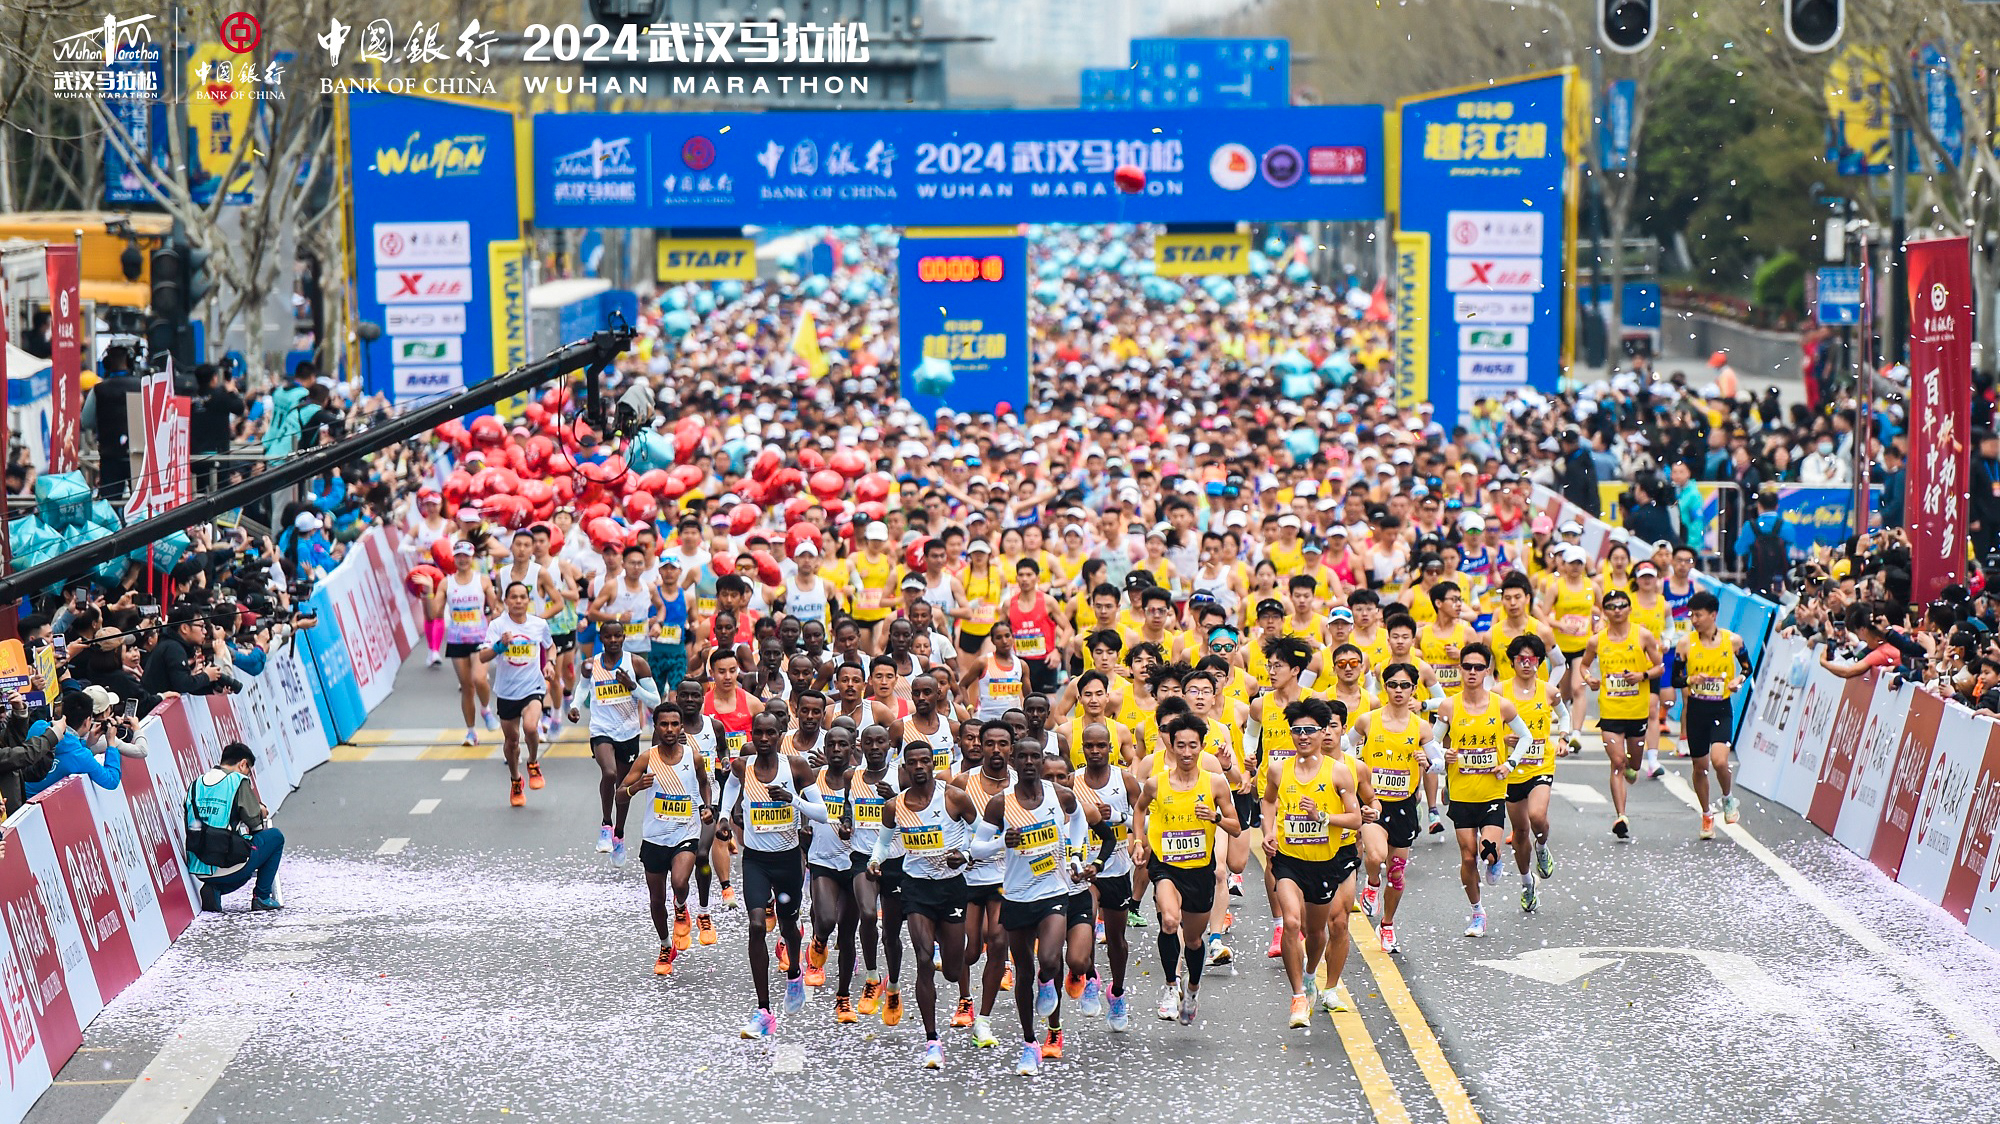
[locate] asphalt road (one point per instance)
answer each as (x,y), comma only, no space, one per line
(492,966)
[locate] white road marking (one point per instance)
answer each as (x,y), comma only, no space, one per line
(1735,971)
(185,1069)
(399,752)
(392,846)
(425,807)
(1927,986)
(272,957)
(456,774)
(1581,795)
(788,1058)
(294,936)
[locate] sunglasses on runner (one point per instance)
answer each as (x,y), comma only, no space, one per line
(1349,664)
(1472,667)
(1304,731)
(1527,657)
(1222,648)
(1400,685)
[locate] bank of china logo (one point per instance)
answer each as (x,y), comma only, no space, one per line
(101,43)
(1232,167)
(1938,297)
(599,159)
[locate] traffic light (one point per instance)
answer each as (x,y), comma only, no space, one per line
(180,282)
(1814,25)
(1625,26)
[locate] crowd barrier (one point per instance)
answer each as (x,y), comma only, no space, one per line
(94,883)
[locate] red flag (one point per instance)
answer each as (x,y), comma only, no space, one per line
(1940,399)
(65,360)
(1378,303)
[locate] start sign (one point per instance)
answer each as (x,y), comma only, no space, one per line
(965,304)
(1186,255)
(707,259)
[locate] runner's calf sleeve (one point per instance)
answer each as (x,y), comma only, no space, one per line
(1195,958)
(1170,954)
(1395,877)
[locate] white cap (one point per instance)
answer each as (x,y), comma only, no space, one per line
(1329,504)
(1472,522)
(461,547)
(1235,519)
(1160,530)
(1337,529)
(877,531)
(1072,529)
(1288,521)
(1402,456)
(1306,488)
(978,546)
(1570,552)
(1570,527)
(1032,456)
(806,547)
(307,523)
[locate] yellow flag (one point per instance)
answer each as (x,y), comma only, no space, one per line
(805,345)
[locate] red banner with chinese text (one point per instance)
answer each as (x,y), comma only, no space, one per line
(65,360)
(1941,328)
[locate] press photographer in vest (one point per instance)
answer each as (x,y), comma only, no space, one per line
(230,839)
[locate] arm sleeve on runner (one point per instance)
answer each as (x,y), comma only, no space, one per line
(732,790)
(1351,741)
(647,692)
(1562,716)
(1110,840)
(987,842)
(1078,829)
(808,804)
(1431,705)
(1522,741)
(1557,661)
(1434,752)
(885,845)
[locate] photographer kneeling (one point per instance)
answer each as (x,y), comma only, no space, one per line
(223,858)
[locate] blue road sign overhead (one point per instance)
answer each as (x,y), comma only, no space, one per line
(1106,89)
(951,168)
(1211,73)
(1840,295)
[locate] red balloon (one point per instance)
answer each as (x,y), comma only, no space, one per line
(1131,178)
(457,487)
(767,568)
(640,507)
(589,516)
(795,510)
(482,485)
(453,432)
(810,460)
(556,538)
(827,484)
(653,480)
(874,486)
(560,464)
(441,554)
(673,487)
(606,471)
(502,482)
(873,509)
(834,507)
(742,517)
(849,463)
(722,565)
(788,480)
(604,529)
(768,462)
(540,448)
(535,415)
(913,555)
(517,459)
(423,578)
(754,494)
(488,432)
(565,489)
(799,533)
(690,476)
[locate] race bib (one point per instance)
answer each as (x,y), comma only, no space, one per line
(520,651)
(869,599)
(612,691)
(1030,645)
(1482,760)
(770,815)
(734,741)
(836,806)
(1184,846)
(1303,829)
(673,807)
(1447,674)
(1711,688)
(1622,687)
(1538,752)
(634,628)
(1391,782)
(705,605)
(465,617)
(923,840)
(1572,624)
(868,812)
(1006,689)
(670,634)
(985,613)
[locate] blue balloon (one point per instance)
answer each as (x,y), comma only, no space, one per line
(729,291)
(1274,246)
(1298,273)
(650,449)
(1048,292)
(704,301)
(1087,260)
(677,321)
(1048,270)
(815,286)
(1260,264)
(850,254)
(675,298)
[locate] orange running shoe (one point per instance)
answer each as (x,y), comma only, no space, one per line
(706,928)
(784,959)
(892,1008)
(1074,986)
(871,996)
(816,954)
(770,921)
(535,775)
(1052,1046)
(814,976)
(843,1010)
(515,796)
(1007,979)
(728,895)
(681,929)
(664,966)
(963,1016)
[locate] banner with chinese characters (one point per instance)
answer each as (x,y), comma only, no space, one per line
(1857,104)
(964,310)
(134,100)
(956,167)
(65,359)
(1193,255)
(221,98)
(434,185)
(1485,173)
(1940,463)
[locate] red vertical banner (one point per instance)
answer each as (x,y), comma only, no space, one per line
(65,360)
(1940,400)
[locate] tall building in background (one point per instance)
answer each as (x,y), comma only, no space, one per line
(1037,46)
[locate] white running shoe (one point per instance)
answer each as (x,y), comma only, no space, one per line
(604,839)
(1170,1002)
(1477,926)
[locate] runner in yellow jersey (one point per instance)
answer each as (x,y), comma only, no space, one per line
(1439,641)
(1267,739)
(1515,618)
(1482,735)
(1302,618)
(1311,803)
(1651,612)
(977,595)
(1226,721)
(1391,741)
(1430,695)
(1349,665)
(1173,836)
(1711,664)
(1541,708)
(1626,658)
(872,585)
(1093,700)
(1368,634)
(1567,604)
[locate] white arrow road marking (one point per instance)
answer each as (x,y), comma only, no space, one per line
(1581,795)
(1735,971)
(1928,987)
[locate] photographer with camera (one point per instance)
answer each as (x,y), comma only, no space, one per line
(90,730)
(180,660)
(23,757)
(230,839)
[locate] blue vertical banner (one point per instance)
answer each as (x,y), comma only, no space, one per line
(434,183)
(1943,116)
(1615,127)
(964,313)
(134,100)
(1485,173)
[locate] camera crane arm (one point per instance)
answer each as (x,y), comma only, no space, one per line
(591,355)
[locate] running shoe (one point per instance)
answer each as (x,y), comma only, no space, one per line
(934,1054)
(535,775)
(1073,985)
(1219,954)
(1631,776)
(681,929)
(816,954)
(1545,861)
(784,957)
(1235,885)
(771,920)
(1118,1014)
(705,925)
(1312,992)
(1187,1005)
(1007,978)
(1301,1013)
(937,958)
(1334,1000)
(1658,771)
(1170,1001)
(617,850)
(1135,919)
(1370,898)
(1277,942)
(1732,809)
(1045,998)
(515,796)
(843,1010)
(1052,1046)
(1529,898)
(1477,926)
(604,839)
(664,966)
(892,1007)
(1388,935)
(814,976)
(1707,826)
(763,1024)
(492,721)
(1493,871)
(728,896)
(1031,1060)
(1621,827)
(982,1032)
(795,995)
(434,659)
(471,737)
(963,1015)
(1091,1002)
(1437,822)
(1100,930)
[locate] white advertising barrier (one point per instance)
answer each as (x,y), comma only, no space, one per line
(1770,729)
(377,617)
(1947,799)
(1874,766)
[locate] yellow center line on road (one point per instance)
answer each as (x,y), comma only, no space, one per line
(1423,1043)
